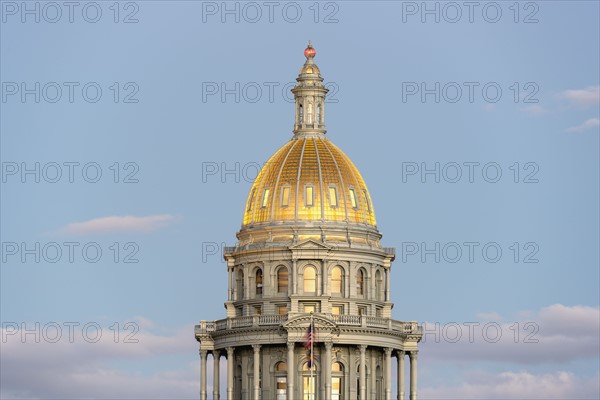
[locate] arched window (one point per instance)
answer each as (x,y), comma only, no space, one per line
(337,381)
(282,280)
(379,285)
(300,115)
(281,381)
(310,279)
(239,285)
(360,282)
(259,282)
(337,281)
(308,379)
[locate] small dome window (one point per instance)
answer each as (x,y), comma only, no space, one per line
(333,200)
(265,199)
(353,201)
(285,196)
(309,196)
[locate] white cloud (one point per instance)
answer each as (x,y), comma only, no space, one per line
(519,385)
(111,224)
(534,110)
(80,369)
(583,97)
(588,124)
(556,333)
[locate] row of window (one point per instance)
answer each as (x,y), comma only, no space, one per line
(310,281)
(309,197)
(308,307)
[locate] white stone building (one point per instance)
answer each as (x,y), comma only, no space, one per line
(309,249)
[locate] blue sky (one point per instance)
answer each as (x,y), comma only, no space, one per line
(141,102)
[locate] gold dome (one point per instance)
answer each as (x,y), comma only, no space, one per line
(309,179)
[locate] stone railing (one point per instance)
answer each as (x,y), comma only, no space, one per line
(278,319)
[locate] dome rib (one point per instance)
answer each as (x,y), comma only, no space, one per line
(277,187)
(322,203)
(337,167)
(298,180)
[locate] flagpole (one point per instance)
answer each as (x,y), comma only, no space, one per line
(312,357)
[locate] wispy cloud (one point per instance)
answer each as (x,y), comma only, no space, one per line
(80,369)
(557,333)
(588,124)
(534,110)
(583,97)
(518,385)
(128,223)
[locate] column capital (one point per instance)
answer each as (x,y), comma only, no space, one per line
(203,353)
(291,345)
(413,354)
(388,351)
(328,345)
(362,347)
(256,347)
(230,351)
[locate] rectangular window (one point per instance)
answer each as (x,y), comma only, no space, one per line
(308,196)
(362,310)
(257,310)
(239,311)
(265,199)
(379,312)
(308,308)
(337,310)
(250,200)
(333,196)
(285,196)
(282,309)
(367,200)
(353,198)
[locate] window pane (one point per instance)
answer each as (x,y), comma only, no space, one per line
(265,197)
(336,280)
(308,198)
(285,196)
(309,280)
(282,310)
(250,200)
(309,308)
(333,197)
(367,200)
(336,310)
(282,280)
(353,198)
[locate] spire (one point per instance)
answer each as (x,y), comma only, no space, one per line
(309,94)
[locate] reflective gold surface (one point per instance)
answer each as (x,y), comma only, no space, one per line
(309,163)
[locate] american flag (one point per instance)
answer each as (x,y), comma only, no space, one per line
(308,343)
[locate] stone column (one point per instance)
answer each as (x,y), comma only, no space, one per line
(388,373)
(216,374)
(230,351)
(256,348)
(290,371)
(400,356)
(203,355)
(229,281)
(413,375)
(387,284)
(294,276)
(363,371)
(327,368)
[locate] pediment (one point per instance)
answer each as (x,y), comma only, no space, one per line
(303,321)
(310,244)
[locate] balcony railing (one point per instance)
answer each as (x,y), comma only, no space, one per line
(206,327)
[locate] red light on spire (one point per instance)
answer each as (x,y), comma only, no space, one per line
(310,52)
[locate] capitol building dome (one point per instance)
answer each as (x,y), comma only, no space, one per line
(308,307)
(309,179)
